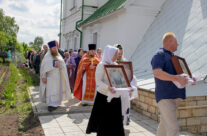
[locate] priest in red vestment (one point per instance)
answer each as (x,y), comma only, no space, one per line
(85,84)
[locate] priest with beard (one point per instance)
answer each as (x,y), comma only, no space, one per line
(85,84)
(54,84)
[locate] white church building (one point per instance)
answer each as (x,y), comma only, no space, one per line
(75,11)
(138,25)
(107,22)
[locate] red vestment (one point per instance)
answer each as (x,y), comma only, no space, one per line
(84,67)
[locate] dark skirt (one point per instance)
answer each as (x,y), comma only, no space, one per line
(106,118)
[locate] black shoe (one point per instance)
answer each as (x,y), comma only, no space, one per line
(84,104)
(50,108)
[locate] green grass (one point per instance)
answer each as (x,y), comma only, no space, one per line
(6,61)
(29,77)
(17,98)
(9,89)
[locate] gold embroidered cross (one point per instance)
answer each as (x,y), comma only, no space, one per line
(92,60)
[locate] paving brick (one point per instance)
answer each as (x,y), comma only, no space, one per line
(75,134)
(52,131)
(73,128)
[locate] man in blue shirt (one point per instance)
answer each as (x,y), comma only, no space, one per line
(167,94)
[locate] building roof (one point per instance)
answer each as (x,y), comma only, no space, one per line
(108,7)
(188,20)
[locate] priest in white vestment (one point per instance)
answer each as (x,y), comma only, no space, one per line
(54,84)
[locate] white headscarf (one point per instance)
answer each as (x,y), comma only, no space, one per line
(108,54)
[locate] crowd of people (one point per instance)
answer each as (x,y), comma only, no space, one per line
(71,58)
(34,58)
(82,73)
(79,72)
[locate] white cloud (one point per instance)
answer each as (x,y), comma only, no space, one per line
(34,17)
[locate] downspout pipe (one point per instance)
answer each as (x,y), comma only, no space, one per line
(61,6)
(76,26)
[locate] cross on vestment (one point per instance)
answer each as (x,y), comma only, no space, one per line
(92,60)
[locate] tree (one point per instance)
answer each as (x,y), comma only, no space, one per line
(8,30)
(3,39)
(37,44)
(25,47)
(19,48)
(12,41)
(31,43)
(8,24)
(38,41)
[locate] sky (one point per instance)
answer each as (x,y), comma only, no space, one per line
(34,17)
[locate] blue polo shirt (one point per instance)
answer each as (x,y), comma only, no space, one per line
(165,89)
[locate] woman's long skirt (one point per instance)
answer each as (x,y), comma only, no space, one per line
(71,74)
(106,118)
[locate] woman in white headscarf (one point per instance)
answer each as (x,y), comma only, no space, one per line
(106,118)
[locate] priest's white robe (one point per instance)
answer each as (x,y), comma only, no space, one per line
(57,87)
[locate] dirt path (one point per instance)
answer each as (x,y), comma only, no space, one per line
(8,125)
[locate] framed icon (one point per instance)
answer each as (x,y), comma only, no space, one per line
(117,76)
(181,66)
(128,68)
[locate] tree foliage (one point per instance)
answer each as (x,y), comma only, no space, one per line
(3,39)
(19,48)
(38,42)
(25,47)
(8,24)
(8,30)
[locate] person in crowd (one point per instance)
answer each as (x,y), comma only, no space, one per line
(9,55)
(71,50)
(77,61)
(31,59)
(168,95)
(28,57)
(85,85)
(85,52)
(44,51)
(70,69)
(121,53)
(67,56)
(99,52)
(37,62)
(106,117)
(54,84)
(60,51)
(71,65)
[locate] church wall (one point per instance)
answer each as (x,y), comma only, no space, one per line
(126,26)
